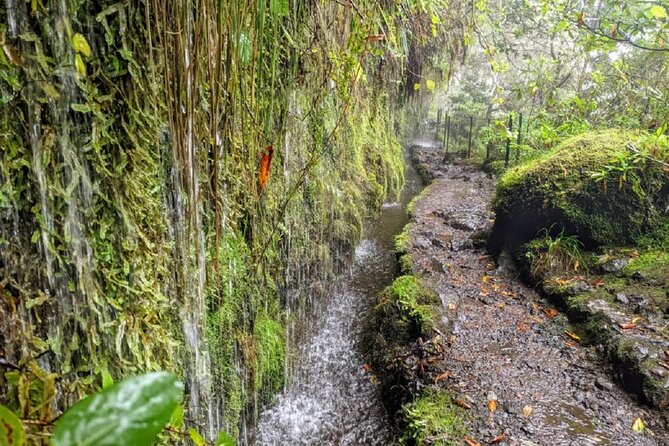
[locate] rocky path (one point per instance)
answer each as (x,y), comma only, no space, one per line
(506,343)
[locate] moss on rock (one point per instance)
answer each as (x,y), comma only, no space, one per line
(602,187)
(433,419)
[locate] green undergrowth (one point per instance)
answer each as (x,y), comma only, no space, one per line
(433,419)
(605,187)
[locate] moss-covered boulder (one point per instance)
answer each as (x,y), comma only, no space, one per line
(607,188)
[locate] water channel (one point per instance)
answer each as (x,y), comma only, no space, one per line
(330,400)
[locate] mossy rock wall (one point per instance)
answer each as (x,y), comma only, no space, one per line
(595,186)
(133,233)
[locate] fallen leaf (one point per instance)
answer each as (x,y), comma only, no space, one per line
(442,376)
(638,425)
(627,326)
(498,439)
(521,326)
(570,344)
(527,411)
(636,319)
(597,282)
(664,364)
(471,442)
(492,405)
(462,403)
(367,368)
(451,307)
(484,279)
(265,162)
(573,335)
(551,312)
(375,37)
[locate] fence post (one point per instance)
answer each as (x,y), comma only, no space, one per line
(487,146)
(448,132)
(469,146)
(520,135)
(436,132)
(508,141)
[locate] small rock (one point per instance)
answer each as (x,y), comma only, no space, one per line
(622,299)
(505,263)
(638,276)
(603,384)
(613,266)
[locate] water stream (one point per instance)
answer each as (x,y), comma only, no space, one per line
(330,399)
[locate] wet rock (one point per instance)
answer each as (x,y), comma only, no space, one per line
(505,264)
(638,276)
(603,383)
(622,299)
(422,242)
(578,287)
(462,225)
(613,266)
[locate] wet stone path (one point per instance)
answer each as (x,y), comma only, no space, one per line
(507,343)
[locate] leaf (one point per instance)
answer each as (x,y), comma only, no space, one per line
(527,411)
(196,437)
(430,85)
(637,425)
(132,412)
(628,326)
(492,405)
(224,439)
(81,108)
(416,86)
(50,90)
(80,65)
(265,164)
(658,12)
(498,439)
(442,376)
(279,8)
(462,403)
(551,312)
(471,442)
(80,45)
(11,429)
(573,335)
(177,418)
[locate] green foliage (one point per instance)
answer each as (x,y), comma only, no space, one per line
(11,429)
(549,253)
(133,412)
(558,188)
(433,419)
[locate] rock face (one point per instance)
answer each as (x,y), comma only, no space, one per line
(595,186)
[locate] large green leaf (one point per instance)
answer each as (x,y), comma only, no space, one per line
(11,429)
(131,412)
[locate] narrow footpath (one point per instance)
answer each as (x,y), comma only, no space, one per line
(506,343)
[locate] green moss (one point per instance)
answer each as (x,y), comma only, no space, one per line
(403,240)
(406,264)
(591,185)
(653,264)
(270,340)
(413,300)
(433,419)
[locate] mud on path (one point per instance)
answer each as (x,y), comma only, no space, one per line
(505,341)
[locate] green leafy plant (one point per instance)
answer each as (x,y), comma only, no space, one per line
(560,252)
(134,411)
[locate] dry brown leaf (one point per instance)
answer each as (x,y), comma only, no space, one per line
(471,442)
(451,307)
(462,403)
(597,282)
(446,374)
(492,405)
(573,335)
(498,439)
(551,312)
(521,326)
(628,326)
(570,344)
(664,364)
(367,368)
(527,411)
